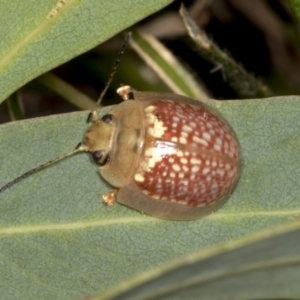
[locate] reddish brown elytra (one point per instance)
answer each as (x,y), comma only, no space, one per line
(166,155)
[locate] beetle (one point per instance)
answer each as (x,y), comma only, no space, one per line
(166,155)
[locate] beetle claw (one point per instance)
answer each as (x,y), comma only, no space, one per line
(125,91)
(109,198)
(93,116)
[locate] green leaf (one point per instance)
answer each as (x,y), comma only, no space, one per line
(295,5)
(245,84)
(38,35)
(58,241)
(265,266)
(166,66)
(15,107)
(67,91)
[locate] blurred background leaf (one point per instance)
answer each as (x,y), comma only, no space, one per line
(260,36)
(47,34)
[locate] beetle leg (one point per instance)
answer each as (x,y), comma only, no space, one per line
(125,91)
(93,116)
(109,198)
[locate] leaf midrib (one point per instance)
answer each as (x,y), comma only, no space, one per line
(102,223)
(25,40)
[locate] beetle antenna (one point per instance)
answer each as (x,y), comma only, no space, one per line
(80,148)
(114,69)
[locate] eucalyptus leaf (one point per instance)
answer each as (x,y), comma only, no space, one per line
(38,35)
(58,241)
(265,266)
(244,83)
(295,5)
(166,66)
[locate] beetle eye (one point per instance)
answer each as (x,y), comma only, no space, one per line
(97,155)
(107,118)
(100,157)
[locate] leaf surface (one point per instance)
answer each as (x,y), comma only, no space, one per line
(58,241)
(37,36)
(268,261)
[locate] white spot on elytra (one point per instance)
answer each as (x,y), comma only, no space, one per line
(215,185)
(225,145)
(149,109)
(221,130)
(151,131)
(179,153)
(184,134)
(220,172)
(203,190)
(174,139)
(227,166)
(218,141)
(187,128)
(206,136)
(231,173)
(148,151)
(200,141)
(206,170)
(176,167)
(155,155)
(182,140)
(154,158)
(196,161)
(145,167)
(151,118)
(231,151)
(139,177)
(158,128)
(183,160)
(195,169)
(185,168)
(217,147)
